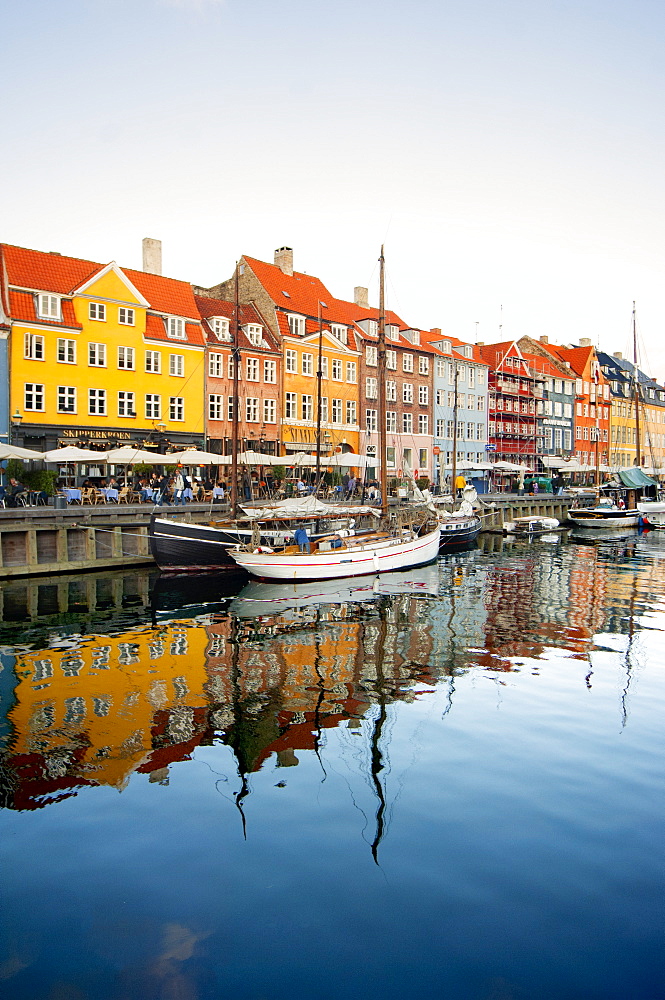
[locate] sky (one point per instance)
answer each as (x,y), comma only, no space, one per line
(508,153)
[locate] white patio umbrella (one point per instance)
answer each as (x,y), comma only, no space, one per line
(348,459)
(73,454)
(133,456)
(510,467)
(257,458)
(192,456)
(300,460)
(24,454)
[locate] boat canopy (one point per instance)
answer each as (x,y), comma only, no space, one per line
(306,507)
(635,478)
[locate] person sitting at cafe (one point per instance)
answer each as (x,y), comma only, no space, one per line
(13,493)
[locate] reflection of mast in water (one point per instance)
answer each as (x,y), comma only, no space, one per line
(376,758)
(629,652)
(236,740)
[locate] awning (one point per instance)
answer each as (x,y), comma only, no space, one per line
(635,478)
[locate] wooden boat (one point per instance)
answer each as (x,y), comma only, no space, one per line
(532,525)
(187,547)
(604,514)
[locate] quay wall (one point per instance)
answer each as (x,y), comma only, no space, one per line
(497,511)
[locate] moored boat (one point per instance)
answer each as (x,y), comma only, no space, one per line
(605,514)
(531,525)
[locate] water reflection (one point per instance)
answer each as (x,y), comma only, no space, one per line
(454,726)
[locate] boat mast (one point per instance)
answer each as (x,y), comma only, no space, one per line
(235,354)
(454,468)
(636,390)
(383,442)
(319,376)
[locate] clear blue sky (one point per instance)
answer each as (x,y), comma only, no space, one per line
(508,152)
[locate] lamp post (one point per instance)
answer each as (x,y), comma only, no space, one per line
(16,420)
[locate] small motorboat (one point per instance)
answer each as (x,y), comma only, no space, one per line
(605,514)
(653,512)
(530,526)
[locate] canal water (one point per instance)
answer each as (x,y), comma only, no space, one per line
(448,784)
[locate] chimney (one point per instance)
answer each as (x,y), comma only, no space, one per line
(284,259)
(152,256)
(436,330)
(618,355)
(361,296)
(585,342)
(544,340)
(480,343)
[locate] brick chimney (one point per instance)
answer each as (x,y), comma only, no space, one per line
(480,343)
(284,260)
(436,330)
(585,342)
(618,355)
(152,256)
(544,339)
(361,296)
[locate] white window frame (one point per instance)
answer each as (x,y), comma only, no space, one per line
(33,347)
(126,358)
(336,370)
(423,365)
(97,312)
(423,395)
(153,406)
(371,387)
(269,410)
(340,332)
(290,360)
(66,399)
(252,370)
(254,334)
(65,347)
(306,363)
(391,391)
(49,306)
(371,355)
(371,420)
(177,366)
(391,360)
(153,362)
(126,316)
(215,406)
(175,329)
(220,327)
(407,362)
(307,406)
(336,412)
(269,371)
(97,402)
(96,351)
(351,371)
(252,409)
(351,412)
(126,403)
(33,397)
(290,405)
(391,421)
(177,409)
(407,423)
(296,324)
(407,392)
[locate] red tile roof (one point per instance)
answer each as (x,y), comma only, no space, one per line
(22,307)
(50,272)
(209,307)
(304,292)
(155,329)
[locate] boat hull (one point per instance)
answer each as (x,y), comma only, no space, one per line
(383,556)
(594,517)
(653,511)
(186,547)
(455,534)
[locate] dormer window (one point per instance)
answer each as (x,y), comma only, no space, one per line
(447,347)
(220,327)
(175,327)
(467,351)
(49,306)
(392,331)
(296,325)
(254,334)
(373,328)
(340,332)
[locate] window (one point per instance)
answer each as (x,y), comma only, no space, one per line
(407,362)
(48,306)
(391,391)
(126,404)
(461,373)
(175,328)
(467,351)
(177,365)
(220,327)
(422,461)
(229,404)
(269,411)
(153,361)
(480,402)
(126,358)
(391,421)
(33,347)
(255,334)
(270,371)
(97,355)
(440,368)
(351,371)
(125,316)
(470,431)
(307,408)
(97,402)
(423,365)
(407,392)
(371,388)
(370,420)
(340,332)
(351,414)
(392,331)
(324,367)
(440,424)
(66,399)
(215,407)
(97,310)
(337,370)
(470,402)
(407,423)
(450,428)
(472,377)
(336,411)
(153,406)
(423,395)
(252,369)
(371,355)
(307,363)
(423,425)
(176,408)
(296,325)
(324,409)
(291,361)
(290,405)
(391,360)
(215,365)
(252,409)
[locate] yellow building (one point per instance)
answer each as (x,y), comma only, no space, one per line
(101,355)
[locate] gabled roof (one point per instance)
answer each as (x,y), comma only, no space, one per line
(208,308)
(51,272)
(155,329)
(434,339)
(303,292)
(22,307)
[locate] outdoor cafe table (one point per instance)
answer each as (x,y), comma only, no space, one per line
(71,494)
(109,493)
(217,491)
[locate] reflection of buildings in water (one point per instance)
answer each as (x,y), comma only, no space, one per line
(458,620)
(92,711)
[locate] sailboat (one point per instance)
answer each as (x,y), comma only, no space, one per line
(607,513)
(403,540)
